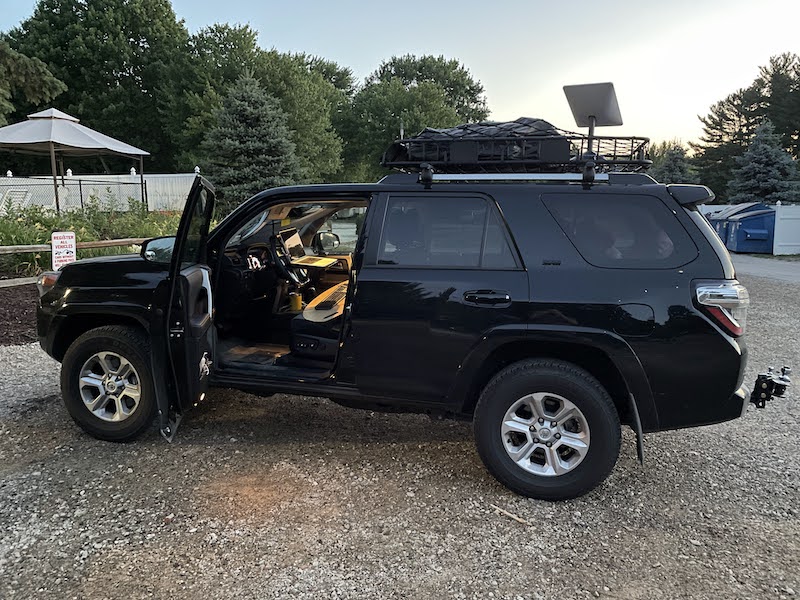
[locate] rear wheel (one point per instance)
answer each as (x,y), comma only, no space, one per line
(107,385)
(547,429)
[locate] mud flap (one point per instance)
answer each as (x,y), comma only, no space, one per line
(637,428)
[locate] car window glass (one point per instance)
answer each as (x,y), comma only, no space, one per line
(626,231)
(252,226)
(497,253)
(443,232)
(198,225)
(345,223)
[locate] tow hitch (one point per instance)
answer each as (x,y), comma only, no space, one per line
(770,384)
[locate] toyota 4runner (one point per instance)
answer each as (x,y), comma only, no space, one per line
(518,282)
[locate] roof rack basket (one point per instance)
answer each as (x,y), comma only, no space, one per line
(493,148)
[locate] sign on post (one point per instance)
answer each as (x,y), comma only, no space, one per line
(64,249)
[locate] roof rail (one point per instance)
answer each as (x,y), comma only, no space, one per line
(618,178)
(516,177)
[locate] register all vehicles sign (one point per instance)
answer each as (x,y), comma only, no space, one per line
(64,248)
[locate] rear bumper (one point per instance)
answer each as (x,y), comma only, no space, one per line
(742,395)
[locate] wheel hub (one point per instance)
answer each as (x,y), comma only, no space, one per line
(545,434)
(109,386)
(113,385)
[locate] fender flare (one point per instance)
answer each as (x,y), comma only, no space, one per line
(613,346)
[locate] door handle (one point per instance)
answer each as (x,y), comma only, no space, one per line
(490,297)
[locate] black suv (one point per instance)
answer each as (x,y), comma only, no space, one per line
(549,307)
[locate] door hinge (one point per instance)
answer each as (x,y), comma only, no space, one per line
(176,330)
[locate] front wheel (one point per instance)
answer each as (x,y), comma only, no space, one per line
(107,385)
(547,429)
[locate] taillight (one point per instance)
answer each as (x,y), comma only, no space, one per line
(46,281)
(726,303)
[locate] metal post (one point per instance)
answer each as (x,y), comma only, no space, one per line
(141,180)
(55,176)
(590,143)
(80,191)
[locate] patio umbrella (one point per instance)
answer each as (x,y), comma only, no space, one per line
(58,134)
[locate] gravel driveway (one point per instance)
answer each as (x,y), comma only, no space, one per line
(293,497)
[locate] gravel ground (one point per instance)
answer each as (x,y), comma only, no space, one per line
(293,497)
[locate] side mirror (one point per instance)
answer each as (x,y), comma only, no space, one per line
(158,250)
(325,242)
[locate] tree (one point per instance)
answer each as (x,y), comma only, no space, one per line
(380,110)
(670,163)
(250,148)
(26,79)
(307,98)
(463,93)
(117,58)
(778,85)
(219,56)
(766,172)
(727,130)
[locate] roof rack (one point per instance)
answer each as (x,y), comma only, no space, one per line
(528,145)
(564,152)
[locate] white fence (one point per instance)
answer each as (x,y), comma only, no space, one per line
(787,230)
(163,192)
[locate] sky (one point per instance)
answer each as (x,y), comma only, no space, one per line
(669,60)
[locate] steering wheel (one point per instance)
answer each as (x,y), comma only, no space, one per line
(283,261)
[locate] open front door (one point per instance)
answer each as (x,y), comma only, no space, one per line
(190,341)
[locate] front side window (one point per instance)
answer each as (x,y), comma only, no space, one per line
(444,232)
(628,231)
(193,247)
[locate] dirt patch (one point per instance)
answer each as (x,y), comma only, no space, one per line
(18,315)
(278,494)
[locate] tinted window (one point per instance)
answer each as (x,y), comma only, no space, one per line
(497,253)
(197,230)
(626,231)
(443,232)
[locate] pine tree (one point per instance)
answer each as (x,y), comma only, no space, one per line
(670,164)
(250,148)
(726,132)
(766,172)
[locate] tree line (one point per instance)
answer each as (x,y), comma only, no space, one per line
(131,69)
(750,146)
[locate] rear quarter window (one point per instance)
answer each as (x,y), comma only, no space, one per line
(630,231)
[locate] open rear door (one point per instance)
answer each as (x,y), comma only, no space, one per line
(190,312)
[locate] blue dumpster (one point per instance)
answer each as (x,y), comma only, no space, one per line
(719,219)
(751,232)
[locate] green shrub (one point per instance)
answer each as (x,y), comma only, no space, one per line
(97,220)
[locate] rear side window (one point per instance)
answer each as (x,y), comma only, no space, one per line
(444,232)
(625,232)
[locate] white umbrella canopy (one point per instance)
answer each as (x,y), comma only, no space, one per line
(55,132)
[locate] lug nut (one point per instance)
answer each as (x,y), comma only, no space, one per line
(535,440)
(558,436)
(549,444)
(541,420)
(553,423)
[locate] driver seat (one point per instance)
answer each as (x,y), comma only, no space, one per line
(315,331)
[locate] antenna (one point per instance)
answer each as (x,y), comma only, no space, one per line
(593,105)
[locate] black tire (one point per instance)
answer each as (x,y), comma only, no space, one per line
(583,391)
(133,345)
